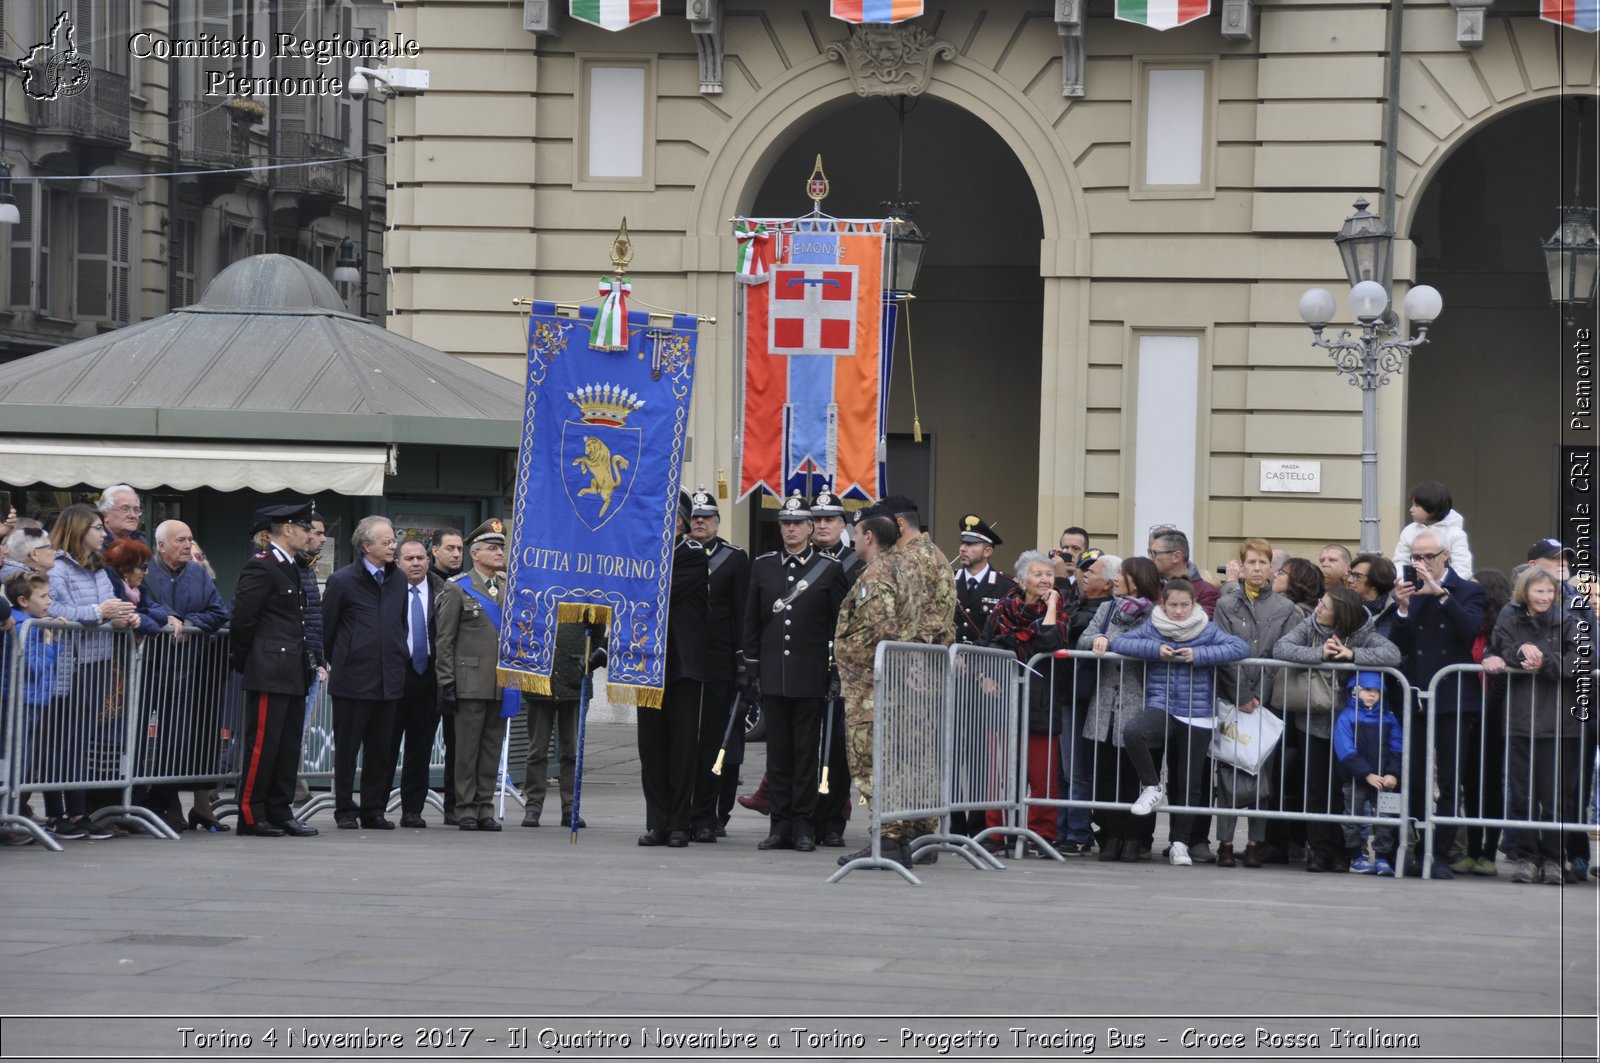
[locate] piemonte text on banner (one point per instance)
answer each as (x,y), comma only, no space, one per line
(615,14)
(860,11)
(1576,14)
(596,499)
(814,349)
(1162,14)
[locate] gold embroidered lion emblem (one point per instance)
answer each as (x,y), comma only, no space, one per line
(604,469)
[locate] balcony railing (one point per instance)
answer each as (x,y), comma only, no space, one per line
(99,112)
(210,135)
(325,179)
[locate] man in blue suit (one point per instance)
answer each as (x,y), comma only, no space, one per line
(1437,618)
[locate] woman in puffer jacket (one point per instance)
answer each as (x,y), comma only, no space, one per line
(1180,704)
(1536,634)
(1118,698)
(1338,631)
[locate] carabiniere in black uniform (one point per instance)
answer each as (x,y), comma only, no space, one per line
(833,807)
(728,590)
(788,631)
(976,596)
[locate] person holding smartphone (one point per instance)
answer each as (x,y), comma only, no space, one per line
(1438,616)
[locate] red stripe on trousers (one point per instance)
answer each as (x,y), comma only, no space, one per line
(255,762)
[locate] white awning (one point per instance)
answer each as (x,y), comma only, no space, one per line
(264,467)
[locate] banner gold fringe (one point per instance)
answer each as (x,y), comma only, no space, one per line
(579,613)
(527,682)
(643,697)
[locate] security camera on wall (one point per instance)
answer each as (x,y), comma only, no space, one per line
(385,80)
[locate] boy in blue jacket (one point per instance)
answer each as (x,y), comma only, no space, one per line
(28,597)
(1368,742)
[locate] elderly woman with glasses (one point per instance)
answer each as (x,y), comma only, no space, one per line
(28,549)
(1030,621)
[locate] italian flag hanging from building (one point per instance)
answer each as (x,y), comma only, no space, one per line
(1577,14)
(615,14)
(1162,14)
(860,11)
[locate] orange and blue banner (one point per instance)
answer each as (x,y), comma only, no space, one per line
(860,11)
(1576,14)
(815,368)
(595,503)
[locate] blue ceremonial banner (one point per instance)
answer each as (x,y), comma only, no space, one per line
(596,503)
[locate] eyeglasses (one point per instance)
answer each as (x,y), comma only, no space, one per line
(384,542)
(97,527)
(1354,576)
(1428,557)
(1159,553)
(128,509)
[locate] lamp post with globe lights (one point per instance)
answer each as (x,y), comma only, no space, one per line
(1368,358)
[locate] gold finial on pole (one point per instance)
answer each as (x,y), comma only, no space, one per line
(621,250)
(817,184)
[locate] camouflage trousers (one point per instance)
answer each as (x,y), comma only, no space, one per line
(858,752)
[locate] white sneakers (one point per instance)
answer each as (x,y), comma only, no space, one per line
(1179,856)
(1150,799)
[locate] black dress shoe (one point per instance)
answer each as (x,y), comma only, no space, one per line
(678,840)
(450,820)
(530,819)
(833,840)
(805,843)
(377,823)
(413,819)
(775,841)
(469,823)
(347,823)
(295,829)
(488,823)
(704,834)
(566,820)
(651,837)
(722,832)
(261,830)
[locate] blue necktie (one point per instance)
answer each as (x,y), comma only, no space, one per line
(419,633)
(377,576)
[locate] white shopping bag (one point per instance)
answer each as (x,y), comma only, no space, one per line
(1245,739)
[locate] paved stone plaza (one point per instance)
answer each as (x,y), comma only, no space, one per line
(450,924)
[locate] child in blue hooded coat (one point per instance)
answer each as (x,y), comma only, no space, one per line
(1369,745)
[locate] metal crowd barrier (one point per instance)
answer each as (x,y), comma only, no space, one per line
(1290,785)
(982,761)
(1488,766)
(79,724)
(910,698)
(190,702)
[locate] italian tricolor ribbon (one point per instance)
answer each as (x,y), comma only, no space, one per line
(615,14)
(610,329)
(754,264)
(1162,14)
(1575,14)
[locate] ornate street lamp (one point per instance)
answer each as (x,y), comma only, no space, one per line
(345,268)
(1569,258)
(1369,359)
(906,244)
(1365,244)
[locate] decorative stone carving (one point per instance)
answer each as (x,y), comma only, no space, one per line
(543,17)
(1069,24)
(1470,16)
(1238,20)
(705,22)
(890,60)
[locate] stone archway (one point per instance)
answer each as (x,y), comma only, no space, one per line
(739,163)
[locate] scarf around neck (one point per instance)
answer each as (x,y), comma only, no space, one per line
(1175,631)
(1014,618)
(1132,607)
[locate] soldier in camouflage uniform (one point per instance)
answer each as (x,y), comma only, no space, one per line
(873,612)
(925,578)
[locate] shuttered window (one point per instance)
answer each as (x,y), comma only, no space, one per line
(103,261)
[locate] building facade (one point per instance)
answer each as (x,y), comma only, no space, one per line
(1121,223)
(103,242)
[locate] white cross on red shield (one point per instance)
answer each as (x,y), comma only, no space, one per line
(813,310)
